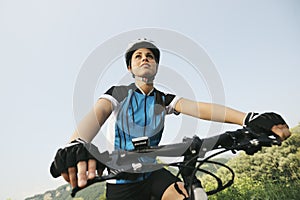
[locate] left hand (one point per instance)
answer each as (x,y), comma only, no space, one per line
(282,131)
(268,122)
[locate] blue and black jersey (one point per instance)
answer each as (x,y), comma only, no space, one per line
(138,114)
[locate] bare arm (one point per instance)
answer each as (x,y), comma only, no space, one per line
(219,113)
(209,111)
(89,126)
(87,129)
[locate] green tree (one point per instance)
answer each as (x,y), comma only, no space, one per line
(273,173)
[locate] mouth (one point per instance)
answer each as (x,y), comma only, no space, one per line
(146,65)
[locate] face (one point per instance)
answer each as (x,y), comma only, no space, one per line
(143,63)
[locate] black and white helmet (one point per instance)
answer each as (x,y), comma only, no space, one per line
(141,43)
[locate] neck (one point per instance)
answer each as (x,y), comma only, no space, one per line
(145,80)
(146,87)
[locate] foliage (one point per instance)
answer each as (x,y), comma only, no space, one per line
(273,173)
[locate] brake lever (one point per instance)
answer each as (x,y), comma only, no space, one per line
(250,141)
(267,140)
(91,182)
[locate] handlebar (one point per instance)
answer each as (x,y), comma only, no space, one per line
(122,162)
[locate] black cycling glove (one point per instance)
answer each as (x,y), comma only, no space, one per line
(78,150)
(263,121)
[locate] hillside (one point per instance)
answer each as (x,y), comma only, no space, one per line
(63,193)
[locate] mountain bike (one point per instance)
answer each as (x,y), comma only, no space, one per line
(125,164)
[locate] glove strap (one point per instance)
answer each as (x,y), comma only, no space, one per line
(249,117)
(75,142)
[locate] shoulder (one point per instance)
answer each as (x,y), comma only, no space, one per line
(119,92)
(169,101)
(168,98)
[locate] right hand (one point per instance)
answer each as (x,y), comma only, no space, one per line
(76,163)
(78,176)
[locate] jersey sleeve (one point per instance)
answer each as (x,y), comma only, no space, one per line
(171,101)
(115,95)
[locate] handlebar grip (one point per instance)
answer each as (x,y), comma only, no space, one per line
(248,140)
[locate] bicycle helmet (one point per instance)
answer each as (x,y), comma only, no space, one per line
(141,43)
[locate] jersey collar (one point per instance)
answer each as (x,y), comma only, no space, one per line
(136,88)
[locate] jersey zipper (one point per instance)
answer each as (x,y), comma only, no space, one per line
(145,112)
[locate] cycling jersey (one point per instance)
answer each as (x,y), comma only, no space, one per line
(137,114)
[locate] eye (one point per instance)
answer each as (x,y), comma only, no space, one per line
(150,56)
(137,56)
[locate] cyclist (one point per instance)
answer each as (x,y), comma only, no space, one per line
(139,109)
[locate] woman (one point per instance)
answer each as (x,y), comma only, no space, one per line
(139,109)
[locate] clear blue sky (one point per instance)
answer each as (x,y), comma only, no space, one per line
(254,45)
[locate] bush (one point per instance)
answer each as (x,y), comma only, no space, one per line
(273,173)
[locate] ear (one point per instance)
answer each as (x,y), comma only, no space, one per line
(129,68)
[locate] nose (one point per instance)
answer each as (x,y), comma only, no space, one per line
(144,58)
